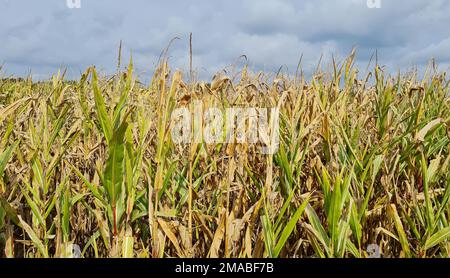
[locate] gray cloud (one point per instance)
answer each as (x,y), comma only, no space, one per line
(45,35)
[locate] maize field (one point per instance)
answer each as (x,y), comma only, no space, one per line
(363,164)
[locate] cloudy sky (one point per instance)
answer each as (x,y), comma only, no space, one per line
(42,36)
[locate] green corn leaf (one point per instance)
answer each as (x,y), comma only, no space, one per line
(51,204)
(91,242)
(443,205)
(5,156)
(34,207)
(58,125)
(290,226)
(91,187)
(102,113)
(38,174)
(355,224)
(114,171)
(286,204)
(428,205)
(318,229)
(124,96)
(437,238)
(268,235)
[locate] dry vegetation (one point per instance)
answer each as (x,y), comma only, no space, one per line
(362,160)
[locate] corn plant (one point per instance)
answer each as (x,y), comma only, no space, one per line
(91,163)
